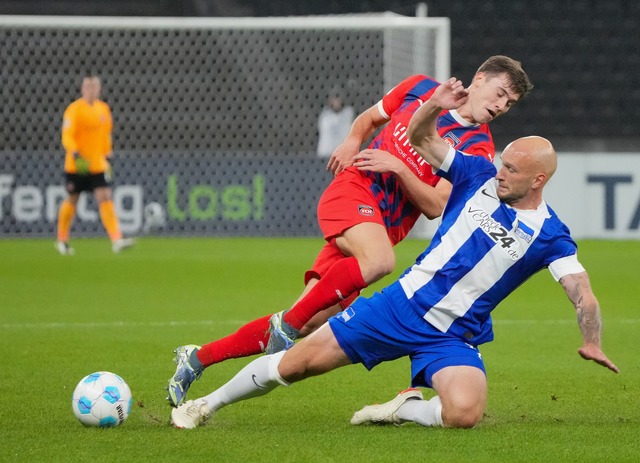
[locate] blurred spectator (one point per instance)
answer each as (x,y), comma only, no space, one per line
(334,123)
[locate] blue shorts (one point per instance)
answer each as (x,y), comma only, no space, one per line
(382,327)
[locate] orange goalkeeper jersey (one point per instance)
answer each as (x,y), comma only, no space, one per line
(86,130)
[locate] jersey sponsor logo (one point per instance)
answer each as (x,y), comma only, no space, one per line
(366,211)
(496,231)
(402,144)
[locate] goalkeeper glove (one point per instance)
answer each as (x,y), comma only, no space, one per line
(82,165)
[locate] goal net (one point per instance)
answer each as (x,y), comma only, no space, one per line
(216,103)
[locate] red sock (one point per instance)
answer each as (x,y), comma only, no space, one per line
(341,280)
(250,339)
(347,302)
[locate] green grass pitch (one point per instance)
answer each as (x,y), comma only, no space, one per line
(64,317)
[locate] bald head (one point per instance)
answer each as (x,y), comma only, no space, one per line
(528,163)
(536,151)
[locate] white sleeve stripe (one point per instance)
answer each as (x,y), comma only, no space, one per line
(448,160)
(382,111)
(565,266)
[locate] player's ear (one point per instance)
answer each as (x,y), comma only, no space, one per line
(539,180)
(479,78)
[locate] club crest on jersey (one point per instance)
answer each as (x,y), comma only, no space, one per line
(524,232)
(367,211)
(451,139)
(347,314)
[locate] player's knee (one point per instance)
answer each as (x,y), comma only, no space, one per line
(291,370)
(387,263)
(298,363)
(462,413)
(382,264)
(318,320)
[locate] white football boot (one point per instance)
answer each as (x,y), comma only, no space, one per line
(385,413)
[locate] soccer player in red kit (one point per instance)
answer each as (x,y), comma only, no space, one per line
(368,209)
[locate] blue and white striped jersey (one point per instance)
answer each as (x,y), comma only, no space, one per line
(482,251)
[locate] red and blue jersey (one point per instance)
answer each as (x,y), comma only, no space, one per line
(399,105)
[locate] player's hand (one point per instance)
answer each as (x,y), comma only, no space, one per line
(342,156)
(450,95)
(374,160)
(82,165)
(592,352)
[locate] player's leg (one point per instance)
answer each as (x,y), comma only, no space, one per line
(353,225)
(463,393)
(191,360)
(443,362)
(358,335)
(319,319)
(315,355)
(108,216)
(249,339)
(369,243)
(366,255)
(66,214)
(460,402)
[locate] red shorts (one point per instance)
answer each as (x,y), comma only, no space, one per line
(346,202)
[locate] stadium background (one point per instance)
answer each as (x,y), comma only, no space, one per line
(579,55)
(63,318)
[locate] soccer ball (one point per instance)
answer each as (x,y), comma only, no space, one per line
(154,217)
(101,399)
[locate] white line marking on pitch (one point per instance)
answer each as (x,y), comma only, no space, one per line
(161,324)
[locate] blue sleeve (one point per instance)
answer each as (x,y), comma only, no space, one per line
(459,168)
(562,245)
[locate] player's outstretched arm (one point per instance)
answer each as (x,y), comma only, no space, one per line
(578,288)
(422,131)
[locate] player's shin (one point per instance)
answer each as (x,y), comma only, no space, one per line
(423,412)
(256,379)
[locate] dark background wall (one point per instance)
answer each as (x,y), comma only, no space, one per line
(583,56)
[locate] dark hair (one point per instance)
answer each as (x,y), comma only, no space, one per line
(499,64)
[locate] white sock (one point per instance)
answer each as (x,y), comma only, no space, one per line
(424,412)
(257,378)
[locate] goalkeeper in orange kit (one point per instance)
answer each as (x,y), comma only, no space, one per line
(86,138)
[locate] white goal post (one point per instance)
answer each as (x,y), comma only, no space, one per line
(424,55)
(248,87)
